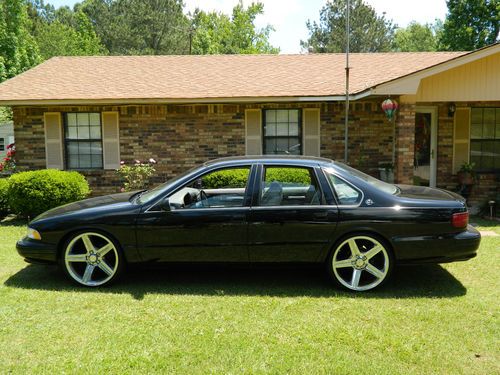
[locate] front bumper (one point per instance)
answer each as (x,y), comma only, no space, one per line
(34,251)
(438,248)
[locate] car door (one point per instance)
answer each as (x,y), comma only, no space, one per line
(290,219)
(207,220)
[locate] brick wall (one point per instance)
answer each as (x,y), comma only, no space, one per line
(182,136)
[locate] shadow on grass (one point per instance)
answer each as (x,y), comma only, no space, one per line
(430,281)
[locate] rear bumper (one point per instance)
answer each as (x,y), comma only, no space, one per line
(439,248)
(36,252)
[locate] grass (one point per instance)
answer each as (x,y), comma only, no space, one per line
(428,319)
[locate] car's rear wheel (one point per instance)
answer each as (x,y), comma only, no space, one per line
(92,259)
(360,262)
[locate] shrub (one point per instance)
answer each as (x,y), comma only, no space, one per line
(136,177)
(288,175)
(4,197)
(34,192)
(234,178)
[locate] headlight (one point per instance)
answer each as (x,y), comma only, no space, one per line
(33,234)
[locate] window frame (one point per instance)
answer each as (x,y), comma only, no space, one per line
(259,180)
(2,144)
(300,135)
(246,200)
(90,140)
(482,140)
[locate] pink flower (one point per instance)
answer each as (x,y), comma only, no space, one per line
(122,189)
(137,161)
(152,161)
(122,162)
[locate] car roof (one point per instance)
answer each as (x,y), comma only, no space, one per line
(273,159)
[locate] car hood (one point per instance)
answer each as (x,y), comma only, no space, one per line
(428,193)
(98,202)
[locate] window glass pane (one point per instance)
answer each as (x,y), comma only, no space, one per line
(476,115)
(84,161)
(73,162)
(488,131)
(95,119)
(488,155)
(289,186)
(475,153)
(346,194)
(281,145)
(95,132)
(489,116)
(84,148)
(294,115)
(270,146)
(96,148)
(476,131)
(282,116)
(82,119)
(72,148)
(294,146)
(293,128)
(270,116)
(218,189)
(72,132)
(71,119)
(282,129)
(97,161)
(83,132)
(497,154)
(270,129)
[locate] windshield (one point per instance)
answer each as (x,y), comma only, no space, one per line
(380,185)
(149,195)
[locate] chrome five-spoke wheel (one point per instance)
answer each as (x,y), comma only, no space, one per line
(360,263)
(91,259)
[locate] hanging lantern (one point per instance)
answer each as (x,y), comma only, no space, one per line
(389,106)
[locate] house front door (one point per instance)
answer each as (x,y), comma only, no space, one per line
(425,156)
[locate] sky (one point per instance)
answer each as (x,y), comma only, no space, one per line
(288,17)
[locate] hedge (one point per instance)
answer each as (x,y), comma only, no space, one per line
(32,193)
(237,178)
(4,197)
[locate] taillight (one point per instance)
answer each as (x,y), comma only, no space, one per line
(460,220)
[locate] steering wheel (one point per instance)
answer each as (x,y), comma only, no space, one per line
(203,199)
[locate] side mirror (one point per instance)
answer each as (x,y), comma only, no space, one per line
(165,204)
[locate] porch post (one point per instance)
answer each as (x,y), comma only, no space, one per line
(405,141)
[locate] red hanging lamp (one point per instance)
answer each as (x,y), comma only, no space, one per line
(390,107)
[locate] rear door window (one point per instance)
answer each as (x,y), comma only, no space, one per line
(289,186)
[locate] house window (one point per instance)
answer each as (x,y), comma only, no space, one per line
(485,139)
(83,138)
(2,144)
(282,132)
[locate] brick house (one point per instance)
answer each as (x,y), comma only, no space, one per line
(88,113)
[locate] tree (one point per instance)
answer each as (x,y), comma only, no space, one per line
(139,27)
(368,31)
(470,24)
(217,33)
(60,39)
(415,37)
(18,50)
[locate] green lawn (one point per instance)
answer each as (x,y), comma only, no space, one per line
(427,320)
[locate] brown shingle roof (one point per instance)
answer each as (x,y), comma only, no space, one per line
(211,77)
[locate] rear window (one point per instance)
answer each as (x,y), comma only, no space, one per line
(380,185)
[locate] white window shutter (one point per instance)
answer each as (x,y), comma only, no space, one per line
(311,132)
(53,140)
(111,140)
(253,132)
(461,138)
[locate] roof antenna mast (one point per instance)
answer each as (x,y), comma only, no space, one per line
(346,133)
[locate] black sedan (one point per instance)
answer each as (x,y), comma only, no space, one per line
(258,210)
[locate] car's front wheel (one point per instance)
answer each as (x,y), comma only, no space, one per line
(91,259)
(360,262)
